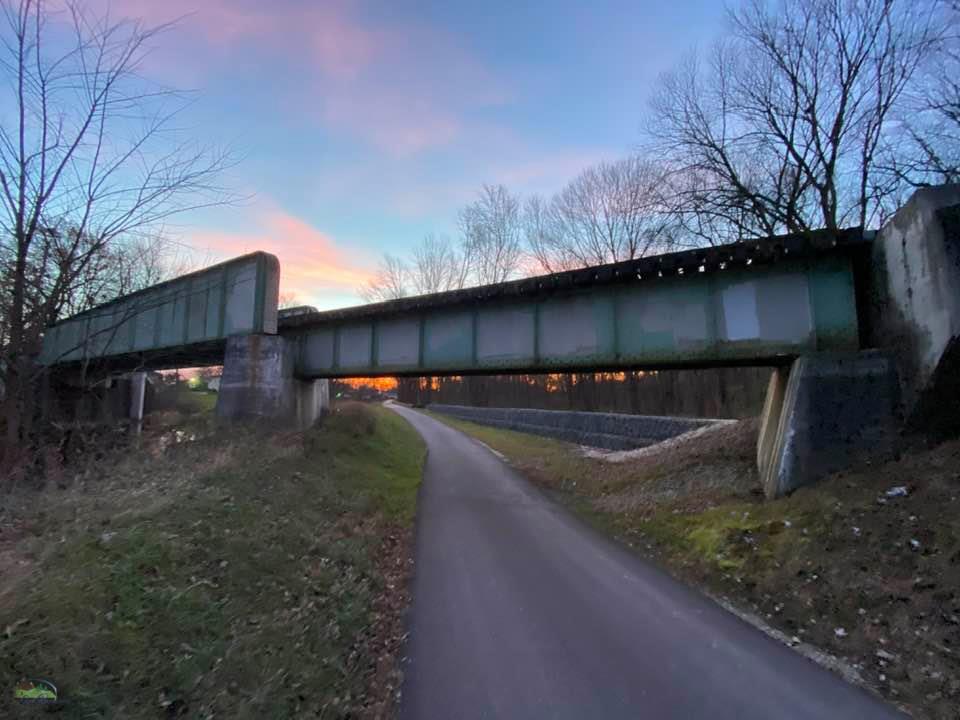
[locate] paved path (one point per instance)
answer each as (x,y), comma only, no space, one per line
(520,611)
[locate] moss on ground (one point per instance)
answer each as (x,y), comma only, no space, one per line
(235,575)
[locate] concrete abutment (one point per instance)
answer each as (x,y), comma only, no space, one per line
(826,411)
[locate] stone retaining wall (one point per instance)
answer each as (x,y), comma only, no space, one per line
(612,431)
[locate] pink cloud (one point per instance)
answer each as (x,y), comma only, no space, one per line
(312,264)
(403,88)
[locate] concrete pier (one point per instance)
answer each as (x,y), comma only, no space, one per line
(138,387)
(258,383)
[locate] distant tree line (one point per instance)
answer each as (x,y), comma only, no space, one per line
(718,393)
(804,114)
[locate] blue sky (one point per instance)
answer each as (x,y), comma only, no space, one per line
(361,126)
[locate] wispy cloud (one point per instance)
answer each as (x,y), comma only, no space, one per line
(313,266)
(403,88)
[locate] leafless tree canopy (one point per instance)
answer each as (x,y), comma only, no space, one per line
(805,114)
(780,127)
(91,165)
(924,149)
(492,235)
(610,212)
(437,266)
(389,283)
(490,250)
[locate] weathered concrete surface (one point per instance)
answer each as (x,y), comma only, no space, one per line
(138,388)
(914,304)
(258,384)
(835,409)
(770,417)
(613,431)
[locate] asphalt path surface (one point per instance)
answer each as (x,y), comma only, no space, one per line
(522,611)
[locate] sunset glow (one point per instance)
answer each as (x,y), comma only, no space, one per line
(357,127)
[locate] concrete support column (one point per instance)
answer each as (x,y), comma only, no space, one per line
(914,305)
(823,414)
(138,387)
(258,383)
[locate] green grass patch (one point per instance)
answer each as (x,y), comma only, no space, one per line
(358,440)
(725,536)
(195,401)
(553,463)
(244,589)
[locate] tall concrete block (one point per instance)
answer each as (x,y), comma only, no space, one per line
(258,383)
(138,387)
(833,410)
(914,304)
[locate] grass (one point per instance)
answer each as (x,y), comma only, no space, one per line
(195,401)
(553,462)
(724,533)
(236,575)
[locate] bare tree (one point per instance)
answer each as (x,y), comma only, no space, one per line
(389,283)
(782,127)
(288,300)
(610,212)
(542,237)
(90,158)
(492,235)
(437,266)
(926,148)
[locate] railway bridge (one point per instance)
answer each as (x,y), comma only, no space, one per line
(860,330)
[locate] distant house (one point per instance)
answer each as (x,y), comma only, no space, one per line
(214,384)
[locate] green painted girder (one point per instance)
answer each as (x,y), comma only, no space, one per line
(185,317)
(740,314)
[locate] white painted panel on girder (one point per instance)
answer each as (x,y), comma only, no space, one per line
(664,318)
(505,335)
(101,332)
(355,343)
(398,343)
(783,308)
(740,311)
(214,295)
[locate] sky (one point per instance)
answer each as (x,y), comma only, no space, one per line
(358,127)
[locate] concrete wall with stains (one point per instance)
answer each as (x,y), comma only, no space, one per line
(915,301)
